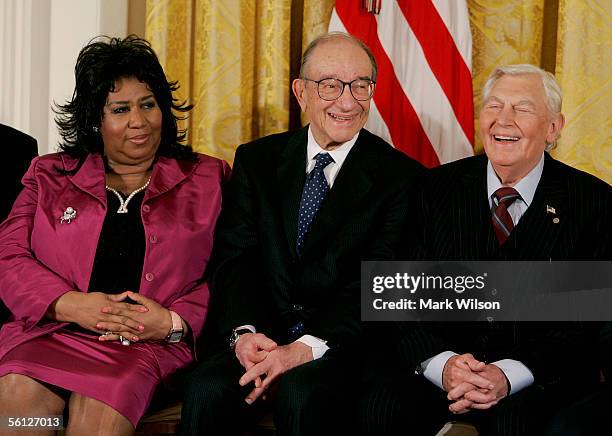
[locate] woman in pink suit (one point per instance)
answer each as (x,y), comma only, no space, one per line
(104,255)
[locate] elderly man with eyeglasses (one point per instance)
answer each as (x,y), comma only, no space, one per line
(304,209)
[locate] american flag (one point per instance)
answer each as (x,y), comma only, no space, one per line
(423,100)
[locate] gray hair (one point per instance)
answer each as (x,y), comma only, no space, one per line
(554,96)
(330,36)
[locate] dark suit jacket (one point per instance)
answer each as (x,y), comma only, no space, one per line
(262,281)
(454,223)
(18,149)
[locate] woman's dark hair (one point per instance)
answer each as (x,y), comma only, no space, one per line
(99,65)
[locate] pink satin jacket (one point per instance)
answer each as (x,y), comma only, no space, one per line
(42,257)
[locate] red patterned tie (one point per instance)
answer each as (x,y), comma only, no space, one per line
(501,219)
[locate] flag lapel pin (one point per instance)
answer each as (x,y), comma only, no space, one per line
(551,210)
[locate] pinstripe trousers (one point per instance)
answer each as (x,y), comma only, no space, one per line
(403,404)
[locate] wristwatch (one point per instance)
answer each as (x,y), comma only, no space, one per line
(236,333)
(176,332)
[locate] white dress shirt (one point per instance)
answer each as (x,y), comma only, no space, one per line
(338,155)
(526,188)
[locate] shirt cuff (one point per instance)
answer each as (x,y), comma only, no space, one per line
(248,327)
(433,367)
(518,375)
(319,346)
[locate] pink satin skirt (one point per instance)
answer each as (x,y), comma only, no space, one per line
(124,377)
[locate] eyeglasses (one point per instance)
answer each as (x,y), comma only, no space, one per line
(331,89)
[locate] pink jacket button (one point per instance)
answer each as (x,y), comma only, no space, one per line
(149,277)
(153,239)
(146,208)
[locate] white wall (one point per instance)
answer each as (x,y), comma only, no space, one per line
(39,44)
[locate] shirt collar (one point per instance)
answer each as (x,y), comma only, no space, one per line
(339,154)
(526,187)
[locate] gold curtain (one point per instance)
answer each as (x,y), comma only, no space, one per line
(584,57)
(234,61)
(503,32)
(231,60)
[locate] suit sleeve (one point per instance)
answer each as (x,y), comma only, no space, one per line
(194,303)
(191,306)
(235,299)
(413,342)
(27,287)
(339,321)
(546,346)
(24,149)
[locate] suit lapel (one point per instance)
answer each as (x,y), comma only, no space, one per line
(90,176)
(472,211)
(291,176)
(167,173)
(538,230)
(351,185)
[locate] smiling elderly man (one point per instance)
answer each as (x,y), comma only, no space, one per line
(304,209)
(513,203)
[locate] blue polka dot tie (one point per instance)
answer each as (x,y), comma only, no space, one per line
(315,190)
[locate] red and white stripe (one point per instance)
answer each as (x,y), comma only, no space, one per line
(423,100)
